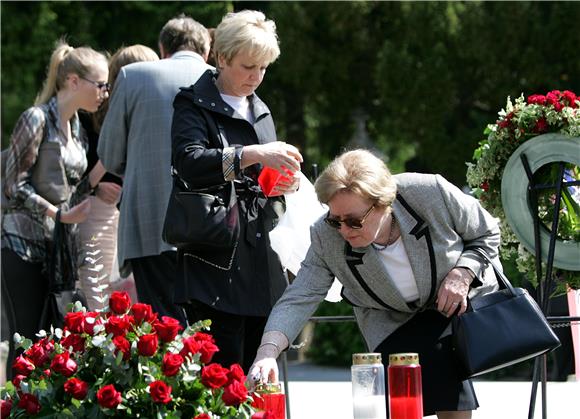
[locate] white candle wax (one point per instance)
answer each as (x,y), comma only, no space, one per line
(370,407)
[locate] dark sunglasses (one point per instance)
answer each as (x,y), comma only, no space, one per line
(100,84)
(353,223)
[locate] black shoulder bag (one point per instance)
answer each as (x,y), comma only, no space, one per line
(203,222)
(62,281)
(501,328)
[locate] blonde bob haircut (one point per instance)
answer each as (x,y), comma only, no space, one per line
(246,31)
(360,172)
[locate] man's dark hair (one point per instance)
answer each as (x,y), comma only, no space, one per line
(184,33)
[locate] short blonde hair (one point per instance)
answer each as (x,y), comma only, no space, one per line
(360,172)
(246,31)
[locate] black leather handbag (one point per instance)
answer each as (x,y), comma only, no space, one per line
(202,219)
(62,274)
(501,328)
(203,223)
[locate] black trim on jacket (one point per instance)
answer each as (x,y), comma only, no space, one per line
(419,231)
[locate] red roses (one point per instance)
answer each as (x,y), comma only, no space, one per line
(119,302)
(147,345)
(167,328)
(171,364)
(235,393)
(77,388)
(555,98)
(63,364)
(22,366)
(232,380)
(29,403)
(202,343)
(128,361)
(160,392)
(108,397)
(214,376)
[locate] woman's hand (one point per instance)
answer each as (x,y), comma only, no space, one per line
(453,292)
(286,187)
(263,371)
(108,192)
(76,214)
(265,368)
(277,155)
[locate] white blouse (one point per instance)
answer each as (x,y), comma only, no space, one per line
(397,264)
(241,105)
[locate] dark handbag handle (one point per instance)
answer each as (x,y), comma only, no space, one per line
(501,278)
(53,282)
(60,251)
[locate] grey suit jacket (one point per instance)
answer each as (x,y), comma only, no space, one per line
(436,220)
(135,142)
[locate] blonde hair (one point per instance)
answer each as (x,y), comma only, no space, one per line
(360,172)
(64,61)
(246,31)
(122,57)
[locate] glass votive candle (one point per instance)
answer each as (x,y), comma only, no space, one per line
(269,397)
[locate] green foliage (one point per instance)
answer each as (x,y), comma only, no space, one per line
(334,343)
(427,76)
(520,121)
(30,30)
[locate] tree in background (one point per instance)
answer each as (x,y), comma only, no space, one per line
(425,76)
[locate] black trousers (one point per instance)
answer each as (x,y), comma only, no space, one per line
(155,278)
(236,336)
(24,290)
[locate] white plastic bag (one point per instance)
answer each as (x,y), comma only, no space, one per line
(290,239)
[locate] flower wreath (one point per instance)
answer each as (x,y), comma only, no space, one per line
(555,112)
(124,363)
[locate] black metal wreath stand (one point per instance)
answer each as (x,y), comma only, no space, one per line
(544,284)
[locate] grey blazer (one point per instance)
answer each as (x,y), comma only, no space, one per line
(135,142)
(436,219)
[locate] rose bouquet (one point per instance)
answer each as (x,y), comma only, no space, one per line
(124,362)
(555,112)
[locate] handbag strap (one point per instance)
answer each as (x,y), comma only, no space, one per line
(55,283)
(501,278)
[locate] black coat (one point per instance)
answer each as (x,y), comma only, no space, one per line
(256,279)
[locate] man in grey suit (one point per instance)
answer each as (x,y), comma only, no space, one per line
(135,142)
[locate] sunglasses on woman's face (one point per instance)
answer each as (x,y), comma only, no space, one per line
(354,223)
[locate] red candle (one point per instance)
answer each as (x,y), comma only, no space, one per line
(405,392)
(269,397)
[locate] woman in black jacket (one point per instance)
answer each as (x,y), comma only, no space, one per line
(236,291)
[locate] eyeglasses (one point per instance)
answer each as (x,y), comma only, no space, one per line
(353,223)
(100,84)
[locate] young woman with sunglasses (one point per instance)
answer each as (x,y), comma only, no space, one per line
(398,246)
(44,181)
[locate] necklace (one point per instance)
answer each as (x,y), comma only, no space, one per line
(384,246)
